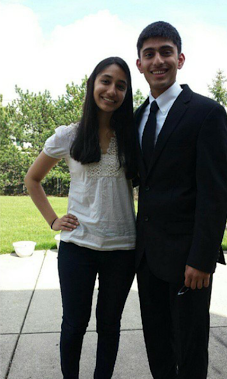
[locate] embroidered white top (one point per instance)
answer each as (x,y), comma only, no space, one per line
(100,196)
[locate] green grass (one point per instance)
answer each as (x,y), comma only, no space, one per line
(224,242)
(20,220)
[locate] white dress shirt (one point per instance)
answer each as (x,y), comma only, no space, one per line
(165,102)
(100,196)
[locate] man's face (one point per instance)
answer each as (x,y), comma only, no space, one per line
(159,61)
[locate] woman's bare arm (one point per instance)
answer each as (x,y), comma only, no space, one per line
(33,178)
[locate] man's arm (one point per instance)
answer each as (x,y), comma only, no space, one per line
(33,178)
(211,202)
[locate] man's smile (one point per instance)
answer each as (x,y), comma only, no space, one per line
(159,72)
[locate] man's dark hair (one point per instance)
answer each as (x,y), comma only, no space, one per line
(159,29)
(85,147)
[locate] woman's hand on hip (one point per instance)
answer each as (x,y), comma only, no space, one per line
(67,222)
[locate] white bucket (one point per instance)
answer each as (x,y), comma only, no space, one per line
(24,248)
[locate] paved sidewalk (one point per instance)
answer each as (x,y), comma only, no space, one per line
(31,315)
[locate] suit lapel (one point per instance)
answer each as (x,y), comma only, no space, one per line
(173,119)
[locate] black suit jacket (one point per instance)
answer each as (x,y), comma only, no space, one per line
(183,195)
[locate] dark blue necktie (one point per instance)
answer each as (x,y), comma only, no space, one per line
(148,138)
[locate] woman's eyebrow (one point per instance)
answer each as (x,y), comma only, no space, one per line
(111,77)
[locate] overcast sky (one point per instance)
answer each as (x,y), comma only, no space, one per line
(46,44)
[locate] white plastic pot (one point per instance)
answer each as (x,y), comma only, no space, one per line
(24,248)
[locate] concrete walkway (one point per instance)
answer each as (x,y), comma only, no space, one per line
(30,318)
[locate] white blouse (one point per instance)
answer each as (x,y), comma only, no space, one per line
(100,196)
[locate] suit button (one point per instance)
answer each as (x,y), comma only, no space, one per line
(147,188)
(146,218)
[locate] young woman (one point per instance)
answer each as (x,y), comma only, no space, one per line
(98,232)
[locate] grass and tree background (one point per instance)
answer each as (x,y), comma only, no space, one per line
(25,124)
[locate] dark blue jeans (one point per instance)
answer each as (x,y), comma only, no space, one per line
(78,267)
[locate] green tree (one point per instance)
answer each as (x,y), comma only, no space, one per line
(26,123)
(218,89)
(12,161)
(4,132)
(1,107)
(69,107)
(138,99)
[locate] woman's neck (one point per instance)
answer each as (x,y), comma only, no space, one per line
(104,120)
(105,131)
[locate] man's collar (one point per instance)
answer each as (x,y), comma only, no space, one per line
(166,99)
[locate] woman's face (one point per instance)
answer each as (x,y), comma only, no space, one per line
(110,88)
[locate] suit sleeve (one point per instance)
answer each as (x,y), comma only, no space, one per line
(211,200)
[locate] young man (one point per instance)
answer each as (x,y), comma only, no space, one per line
(182,208)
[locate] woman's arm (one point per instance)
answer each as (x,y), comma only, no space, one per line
(33,178)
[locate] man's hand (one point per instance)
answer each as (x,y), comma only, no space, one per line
(195,278)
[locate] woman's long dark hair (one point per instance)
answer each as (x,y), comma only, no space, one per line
(85,147)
